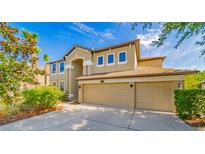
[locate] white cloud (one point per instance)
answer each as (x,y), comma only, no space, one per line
(84,29)
(62,35)
(107,35)
(187,56)
(80,27)
(101,41)
(147,39)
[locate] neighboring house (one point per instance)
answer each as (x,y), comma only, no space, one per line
(202,84)
(40,82)
(117,76)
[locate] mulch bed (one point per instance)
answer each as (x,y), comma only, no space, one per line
(27,114)
(196,123)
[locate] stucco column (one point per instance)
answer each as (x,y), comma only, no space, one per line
(68,77)
(87,67)
(89,71)
(80,93)
(84,70)
(69,80)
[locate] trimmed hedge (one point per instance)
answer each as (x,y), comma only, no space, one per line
(190,103)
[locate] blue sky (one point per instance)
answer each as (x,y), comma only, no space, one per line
(55,39)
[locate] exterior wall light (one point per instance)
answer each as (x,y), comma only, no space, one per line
(180,86)
(131,84)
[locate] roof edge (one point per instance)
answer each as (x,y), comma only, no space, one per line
(116,46)
(58,60)
(152,58)
(185,72)
(76,46)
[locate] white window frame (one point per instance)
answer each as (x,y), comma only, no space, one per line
(113,63)
(59,67)
(63,85)
(103,61)
(55,82)
(52,69)
(124,62)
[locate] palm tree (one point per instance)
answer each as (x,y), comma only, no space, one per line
(45,58)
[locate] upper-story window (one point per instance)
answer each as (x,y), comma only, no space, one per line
(122,57)
(53,69)
(100,61)
(110,59)
(61,67)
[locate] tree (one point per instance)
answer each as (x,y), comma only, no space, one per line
(193,81)
(183,31)
(18,60)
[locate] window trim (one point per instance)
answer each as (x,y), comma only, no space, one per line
(55,82)
(103,61)
(52,69)
(63,85)
(124,62)
(59,67)
(113,63)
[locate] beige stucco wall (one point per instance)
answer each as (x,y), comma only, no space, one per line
(88,57)
(152,63)
(78,53)
(136,79)
(56,77)
(75,72)
(131,60)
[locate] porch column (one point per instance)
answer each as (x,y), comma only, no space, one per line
(87,67)
(69,68)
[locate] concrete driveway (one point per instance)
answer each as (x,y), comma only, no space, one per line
(86,117)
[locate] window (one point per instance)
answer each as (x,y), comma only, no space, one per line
(100,61)
(61,86)
(54,83)
(61,67)
(53,68)
(122,57)
(110,59)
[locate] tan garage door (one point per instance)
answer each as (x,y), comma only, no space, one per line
(155,95)
(115,94)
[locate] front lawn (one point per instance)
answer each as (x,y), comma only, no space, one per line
(31,102)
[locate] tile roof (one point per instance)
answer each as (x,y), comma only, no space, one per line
(141,71)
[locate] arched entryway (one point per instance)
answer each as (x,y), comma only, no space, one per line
(76,71)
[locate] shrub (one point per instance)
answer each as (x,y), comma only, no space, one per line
(190,103)
(41,97)
(7,110)
(2,108)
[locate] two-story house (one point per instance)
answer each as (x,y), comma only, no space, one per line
(117,76)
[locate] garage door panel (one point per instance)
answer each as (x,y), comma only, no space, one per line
(155,95)
(115,94)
